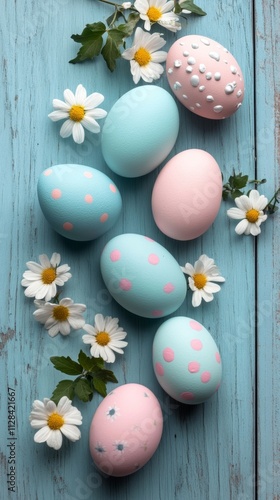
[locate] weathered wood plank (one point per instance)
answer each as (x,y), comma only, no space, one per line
(268,269)
(207,451)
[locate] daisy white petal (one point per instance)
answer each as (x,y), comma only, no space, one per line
(66,129)
(80,94)
(61,317)
(196,298)
(55,421)
(57,103)
(93,100)
(250,211)
(55,116)
(55,440)
(69,97)
(236,213)
(207,296)
(105,337)
(201,279)
(78,133)
(42,435)
(71,432)
(76,108)
(91,124)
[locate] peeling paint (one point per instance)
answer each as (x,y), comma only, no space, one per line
(5,337)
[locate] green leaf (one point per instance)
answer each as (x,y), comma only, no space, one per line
(111,51)
(106,376)
(225,195)
(91,40)
(83,390)
(87,362)
(240,181)
(63,388)
(66,365)
(236,193)
(190,5)
(128,28)
(100,386)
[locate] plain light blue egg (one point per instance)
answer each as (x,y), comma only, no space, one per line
(186,360)
(142,276)
(140,131)
(79,202)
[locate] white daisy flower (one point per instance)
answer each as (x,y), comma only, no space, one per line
(80,112)
(105,337)
(201,278)
(250,210)
(144,56)
(158,11)
(126,5)
(42,279)
(61,317)
(53,421)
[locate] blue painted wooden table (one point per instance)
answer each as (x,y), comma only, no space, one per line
(229,447)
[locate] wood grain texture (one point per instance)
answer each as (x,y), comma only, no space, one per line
(208,451)
(268,320)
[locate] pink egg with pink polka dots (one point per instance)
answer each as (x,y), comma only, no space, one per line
(80,202)
(186,360)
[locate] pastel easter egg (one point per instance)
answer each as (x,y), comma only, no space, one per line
(205,77)
(140,130)
(187,195)
(142,276)
(186,360)
(126,430)
(79,202)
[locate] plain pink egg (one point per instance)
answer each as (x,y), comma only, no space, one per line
(187,195)
(205,77)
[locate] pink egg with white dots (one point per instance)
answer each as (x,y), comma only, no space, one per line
(186,360)
(80,202)
(205,77)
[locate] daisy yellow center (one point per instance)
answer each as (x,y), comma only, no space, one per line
(200,280)
(77,113)
(142,56)
(60,313)
(154,14)
(102,338)
(252,215)
(48,275)
(55,421)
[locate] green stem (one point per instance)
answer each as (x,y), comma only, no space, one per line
(274,198)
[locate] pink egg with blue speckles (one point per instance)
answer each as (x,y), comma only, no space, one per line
(79,202)
(142,276)
(205,77)
(186,360)
(126,430)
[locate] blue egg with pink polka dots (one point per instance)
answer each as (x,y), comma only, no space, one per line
(142,276)
(79,202)
(186,360)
